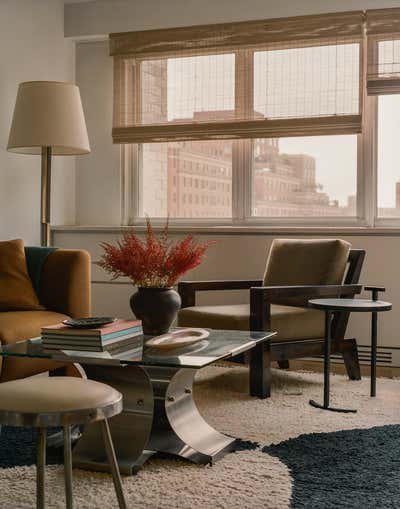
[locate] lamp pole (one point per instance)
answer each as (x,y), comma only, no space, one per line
(45,197)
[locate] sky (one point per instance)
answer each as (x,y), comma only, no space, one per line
(388,149)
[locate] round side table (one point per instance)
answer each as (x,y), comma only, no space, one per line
(373,306)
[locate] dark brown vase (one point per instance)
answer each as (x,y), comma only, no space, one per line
(156,307)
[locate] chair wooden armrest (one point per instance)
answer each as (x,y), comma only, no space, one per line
(261,298)
(187,289)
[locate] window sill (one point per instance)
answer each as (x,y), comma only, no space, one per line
(238,230)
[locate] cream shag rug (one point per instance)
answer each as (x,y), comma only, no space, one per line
(248,479)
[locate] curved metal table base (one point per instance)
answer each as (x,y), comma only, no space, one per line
(159,415)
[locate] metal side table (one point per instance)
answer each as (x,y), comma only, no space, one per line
(373,306)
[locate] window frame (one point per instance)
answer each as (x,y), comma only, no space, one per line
(242,172)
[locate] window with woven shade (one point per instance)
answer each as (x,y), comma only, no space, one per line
(383,67)
(287,77)
(383,81)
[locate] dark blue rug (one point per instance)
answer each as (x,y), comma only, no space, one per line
(18,448)
(357,468)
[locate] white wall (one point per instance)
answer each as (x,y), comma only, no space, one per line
(97,174)
(32,47)
(107,16)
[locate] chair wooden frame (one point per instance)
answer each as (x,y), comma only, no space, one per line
(261,298)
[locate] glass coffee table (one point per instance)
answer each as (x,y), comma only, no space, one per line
(159,414)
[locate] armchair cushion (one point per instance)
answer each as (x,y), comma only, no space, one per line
(16,289)
(289,322)
(17,326)
(305,262)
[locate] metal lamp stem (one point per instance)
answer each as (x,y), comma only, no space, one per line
(45,197)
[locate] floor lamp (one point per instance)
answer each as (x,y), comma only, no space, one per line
(48,120)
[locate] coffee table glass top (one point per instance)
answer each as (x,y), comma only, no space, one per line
(220,344)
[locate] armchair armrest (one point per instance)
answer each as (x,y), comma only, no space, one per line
(187,289)
(261,298)
(65,282)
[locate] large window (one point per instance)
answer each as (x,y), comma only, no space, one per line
(273,122)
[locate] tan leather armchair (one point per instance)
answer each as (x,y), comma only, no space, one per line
(297,270)
(65,292)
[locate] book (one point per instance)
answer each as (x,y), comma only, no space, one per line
(119,343)
(66,338)
(77,340)
(107,331)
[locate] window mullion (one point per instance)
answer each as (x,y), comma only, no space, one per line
(241,182)
(367,164)
(130,184)
(242,149)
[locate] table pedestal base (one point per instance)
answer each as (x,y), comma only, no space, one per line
(159,415)
(327,369)
(332,409)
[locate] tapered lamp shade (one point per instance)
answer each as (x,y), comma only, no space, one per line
(48,114)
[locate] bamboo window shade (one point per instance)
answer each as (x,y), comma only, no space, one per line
(280,77)
(383,67)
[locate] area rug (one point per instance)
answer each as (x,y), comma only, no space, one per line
(297,456)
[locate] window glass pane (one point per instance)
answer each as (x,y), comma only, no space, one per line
(196,88)
(191,179)
(388,156)
(305,177)
(307,82)
(389,58)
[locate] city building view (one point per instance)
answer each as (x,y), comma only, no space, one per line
(193,179)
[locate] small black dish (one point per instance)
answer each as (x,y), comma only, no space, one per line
(89,323)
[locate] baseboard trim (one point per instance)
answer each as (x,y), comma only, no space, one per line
(317,366)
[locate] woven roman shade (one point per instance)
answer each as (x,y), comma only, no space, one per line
(280,77)
(383,67)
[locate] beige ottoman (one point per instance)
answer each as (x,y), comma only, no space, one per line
(42,402)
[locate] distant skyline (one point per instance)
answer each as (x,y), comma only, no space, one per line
(335,162)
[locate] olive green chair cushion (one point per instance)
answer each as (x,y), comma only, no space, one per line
(289,322)
(305,262)
(291,262)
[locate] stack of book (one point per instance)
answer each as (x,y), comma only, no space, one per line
(107,338)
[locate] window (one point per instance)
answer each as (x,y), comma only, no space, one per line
(388,156)
(158,173)
(307,82)
(264,78)
(312,177)
(305,177)
(266,122)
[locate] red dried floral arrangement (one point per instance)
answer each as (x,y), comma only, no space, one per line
(154,261)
